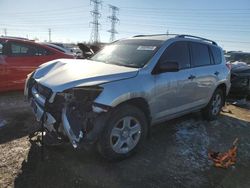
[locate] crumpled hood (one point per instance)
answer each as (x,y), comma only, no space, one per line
(62,74)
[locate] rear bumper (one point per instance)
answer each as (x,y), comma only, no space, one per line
(240,87)
(238,92)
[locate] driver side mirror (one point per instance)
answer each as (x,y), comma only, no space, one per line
(168,66)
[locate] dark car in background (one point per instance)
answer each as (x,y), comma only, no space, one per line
(233,56)
(240,80)
(240,74)
(19,57)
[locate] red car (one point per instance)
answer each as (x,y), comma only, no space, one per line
(19,57)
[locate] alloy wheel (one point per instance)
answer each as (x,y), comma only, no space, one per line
(216,104)
(125,135)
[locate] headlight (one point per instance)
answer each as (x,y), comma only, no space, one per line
(82,93)
(28,83)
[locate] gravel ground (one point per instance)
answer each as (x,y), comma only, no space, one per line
(174,156)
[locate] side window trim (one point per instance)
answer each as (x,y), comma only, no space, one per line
(191,54)
(212,60)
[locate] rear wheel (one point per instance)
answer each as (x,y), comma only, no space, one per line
(125,131)
(212,110)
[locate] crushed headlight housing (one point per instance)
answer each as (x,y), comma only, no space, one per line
(77,111)
(82,93)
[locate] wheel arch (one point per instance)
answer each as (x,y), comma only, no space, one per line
(141,104)
(223,88)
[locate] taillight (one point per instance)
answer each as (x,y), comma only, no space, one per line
(229,66)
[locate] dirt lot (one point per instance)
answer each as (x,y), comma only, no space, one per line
(174,156)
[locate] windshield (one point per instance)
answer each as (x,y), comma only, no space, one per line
(129,53)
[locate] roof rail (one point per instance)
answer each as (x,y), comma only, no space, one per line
(155,35)
(195,37)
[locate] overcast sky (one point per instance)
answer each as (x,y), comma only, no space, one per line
(224,21)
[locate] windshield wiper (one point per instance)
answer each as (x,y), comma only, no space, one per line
(121,64)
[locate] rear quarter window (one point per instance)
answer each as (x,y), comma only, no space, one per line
(200,54)
(216,53)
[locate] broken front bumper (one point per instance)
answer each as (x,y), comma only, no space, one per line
(43,108)
(37,103)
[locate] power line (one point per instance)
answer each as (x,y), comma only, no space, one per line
(182,26)
(44,11)
(191,9)
(94,36)
(113,18)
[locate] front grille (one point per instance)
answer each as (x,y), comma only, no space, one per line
(43,90)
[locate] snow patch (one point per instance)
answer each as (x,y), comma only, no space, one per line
(2,123)
(193,141)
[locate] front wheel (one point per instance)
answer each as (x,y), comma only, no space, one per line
(212,110)
(125,131)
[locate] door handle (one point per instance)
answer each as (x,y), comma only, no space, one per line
(216,73)
(191,77)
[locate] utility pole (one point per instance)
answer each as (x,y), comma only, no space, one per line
(113,18)
(49,34)
(5,31)
(94,36)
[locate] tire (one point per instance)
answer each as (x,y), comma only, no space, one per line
(124,133)
(212,110)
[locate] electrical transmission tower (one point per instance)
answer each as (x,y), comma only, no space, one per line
(113,18)
(94,36)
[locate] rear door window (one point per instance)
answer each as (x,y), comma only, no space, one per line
(216,53)
(200,54)
(177,52)
(19,49)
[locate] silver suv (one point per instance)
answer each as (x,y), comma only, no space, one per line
(111,99)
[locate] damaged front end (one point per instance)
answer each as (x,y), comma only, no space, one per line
(72,113)
(79,112)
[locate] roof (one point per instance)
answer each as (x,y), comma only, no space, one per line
(14,38)
(164,37)
(161,37)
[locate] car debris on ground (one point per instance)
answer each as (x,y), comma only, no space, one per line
(227,159)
